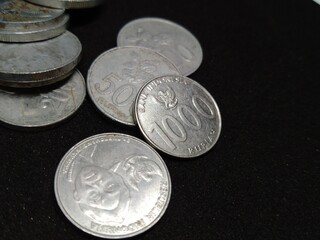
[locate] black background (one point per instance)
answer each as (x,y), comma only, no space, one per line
(260,181)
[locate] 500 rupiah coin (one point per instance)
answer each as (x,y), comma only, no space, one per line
(111,193)
(166,37)
(178,116)
(116,76)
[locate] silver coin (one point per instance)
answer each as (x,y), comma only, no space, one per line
(25,22)
(42,107)
(39,63)
(178,116)
(116,76)
(168,38)
(109,192)
(68,3)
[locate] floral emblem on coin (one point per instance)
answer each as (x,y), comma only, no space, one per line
(105,194)
(167,99)
(137,71)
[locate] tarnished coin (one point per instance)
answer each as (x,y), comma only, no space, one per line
(43,106)
(25,22)
(109,192)
(116,76)
(168,38)
(40,63)
(178,116)
(68,3)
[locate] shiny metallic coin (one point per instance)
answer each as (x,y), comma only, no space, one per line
(43,106)
(41,63)
(68,3)
(168,38)
(116,76)
(178,116)
(111,193)
(25,22)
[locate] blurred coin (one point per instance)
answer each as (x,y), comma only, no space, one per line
(25,22)
(68,3)
(116,76)
(111,193)
(168,38)
(178,116)
(42,106)
(36,64)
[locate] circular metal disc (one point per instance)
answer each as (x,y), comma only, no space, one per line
(109,192)
(25,22)
(168,38)
(41,63)
(178,116)
(43,106)
(68,3)
(116,76)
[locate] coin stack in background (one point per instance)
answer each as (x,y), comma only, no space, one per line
(40,83)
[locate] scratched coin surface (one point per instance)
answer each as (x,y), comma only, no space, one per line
(166,37)
(116,76)
(109,192)
(21,21)
(178,116)
(42,106)
(68,3)
(38,63)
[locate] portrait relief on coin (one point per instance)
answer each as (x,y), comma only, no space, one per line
(111,192)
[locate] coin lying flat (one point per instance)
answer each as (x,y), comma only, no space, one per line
(168,38)
(116,76)
(112,193)
(43,106)
(68,3)
(25,22)
(178,116)
(40,63)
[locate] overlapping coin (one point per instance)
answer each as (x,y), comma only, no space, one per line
(42,107)
(21,21)
(34,64)
(178,116)
(116,76)
(165,37)
(68,3)
(112,193)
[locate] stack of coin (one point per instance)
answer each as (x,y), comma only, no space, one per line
(143,82)
(39,82)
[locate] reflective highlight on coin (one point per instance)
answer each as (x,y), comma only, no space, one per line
(116,76)
(45,106)
(178,116)
(39,63)
(166,37)
(25,22)
(112,193)
(68,3)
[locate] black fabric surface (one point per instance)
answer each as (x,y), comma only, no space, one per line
(261,179)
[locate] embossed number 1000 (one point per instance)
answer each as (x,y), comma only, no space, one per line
(166,132)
